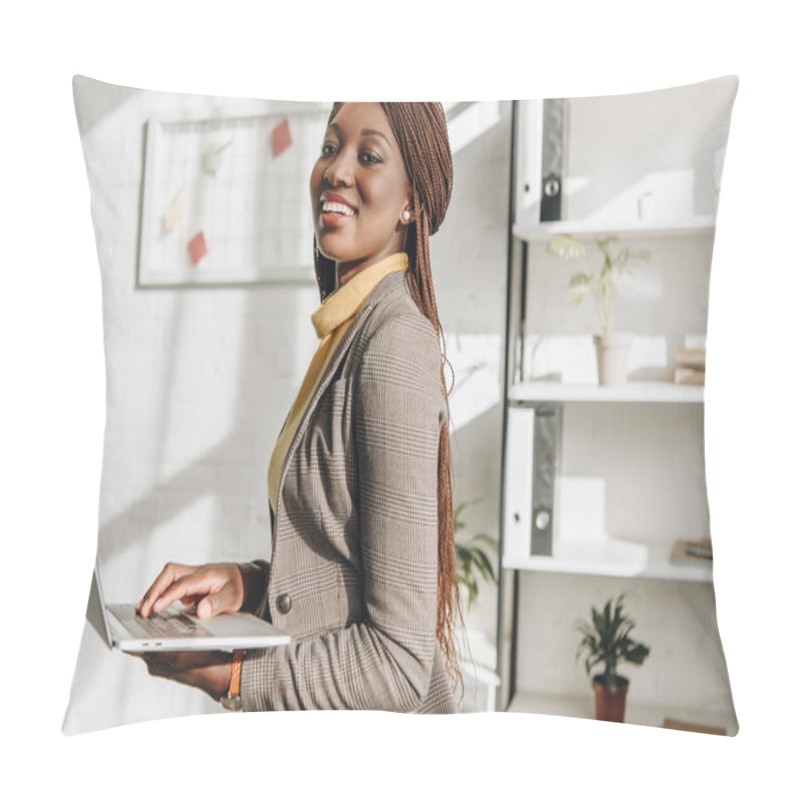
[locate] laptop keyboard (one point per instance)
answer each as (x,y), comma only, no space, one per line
(159,626)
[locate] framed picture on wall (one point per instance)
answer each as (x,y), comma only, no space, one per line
(225,200)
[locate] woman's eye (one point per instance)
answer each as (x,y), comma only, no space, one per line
(367,157)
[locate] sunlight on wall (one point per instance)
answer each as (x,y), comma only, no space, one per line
(476,361)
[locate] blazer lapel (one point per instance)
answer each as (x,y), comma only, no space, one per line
(391,282)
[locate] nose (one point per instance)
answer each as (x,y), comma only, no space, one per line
(339,171)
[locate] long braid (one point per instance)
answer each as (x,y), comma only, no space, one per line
(449,609)
(421,132)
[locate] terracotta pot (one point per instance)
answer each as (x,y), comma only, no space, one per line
(609,707)
(612,358)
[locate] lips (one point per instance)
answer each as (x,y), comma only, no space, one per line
(335,204)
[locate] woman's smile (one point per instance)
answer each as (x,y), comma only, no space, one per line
(335,210)
(359,190)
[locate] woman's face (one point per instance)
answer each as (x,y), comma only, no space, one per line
(359,190)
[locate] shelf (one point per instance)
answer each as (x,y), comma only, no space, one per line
(612,557)
(542,231)
(582,707)
(632,392)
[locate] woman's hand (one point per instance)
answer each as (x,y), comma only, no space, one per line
(211,589)
(209,671)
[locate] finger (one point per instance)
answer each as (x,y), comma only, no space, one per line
(154,669)
(191,602)
(188,659)
(165,665)
(198,584)
(154,589)
(172,572)
(211,604)
(181,661)
(166,577)
(174,659)
(155,665)
(226,599)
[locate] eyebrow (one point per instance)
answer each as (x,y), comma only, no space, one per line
(365,132)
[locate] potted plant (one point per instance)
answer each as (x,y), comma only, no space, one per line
(612,347)
(472,561)
(607,641)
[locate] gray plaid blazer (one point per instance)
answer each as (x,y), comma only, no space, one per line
(353,574)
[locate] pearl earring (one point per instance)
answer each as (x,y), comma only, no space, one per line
(406,215)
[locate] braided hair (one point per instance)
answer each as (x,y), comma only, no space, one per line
(421,133)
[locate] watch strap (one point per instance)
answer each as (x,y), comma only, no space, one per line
(233,699)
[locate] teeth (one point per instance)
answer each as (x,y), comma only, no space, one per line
(337,208)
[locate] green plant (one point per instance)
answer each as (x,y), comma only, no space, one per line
(603,284)
(472,561)
(608,641)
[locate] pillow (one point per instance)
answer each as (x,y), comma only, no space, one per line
(200,211)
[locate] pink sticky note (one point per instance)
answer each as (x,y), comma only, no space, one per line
(281,138)
(197,248)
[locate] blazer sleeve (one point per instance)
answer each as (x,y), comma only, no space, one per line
(384,661)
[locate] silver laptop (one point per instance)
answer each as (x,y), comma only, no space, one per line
(173,629)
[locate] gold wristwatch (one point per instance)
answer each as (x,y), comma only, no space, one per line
(233,700)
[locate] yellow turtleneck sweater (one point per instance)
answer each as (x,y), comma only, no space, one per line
(331,320)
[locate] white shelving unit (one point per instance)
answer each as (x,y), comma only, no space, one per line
(632,392)
(599,409)
(615,557)
(544,231)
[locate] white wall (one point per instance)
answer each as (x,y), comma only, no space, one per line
(199,382)
(667,143)
(470,261)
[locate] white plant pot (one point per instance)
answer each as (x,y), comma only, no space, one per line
(612,357)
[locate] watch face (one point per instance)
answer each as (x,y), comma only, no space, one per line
(231,702)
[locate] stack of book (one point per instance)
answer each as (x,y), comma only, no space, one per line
(693,727)
(691,367)
(686,551)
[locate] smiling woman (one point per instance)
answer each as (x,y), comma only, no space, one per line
(359,190)
(362,573)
